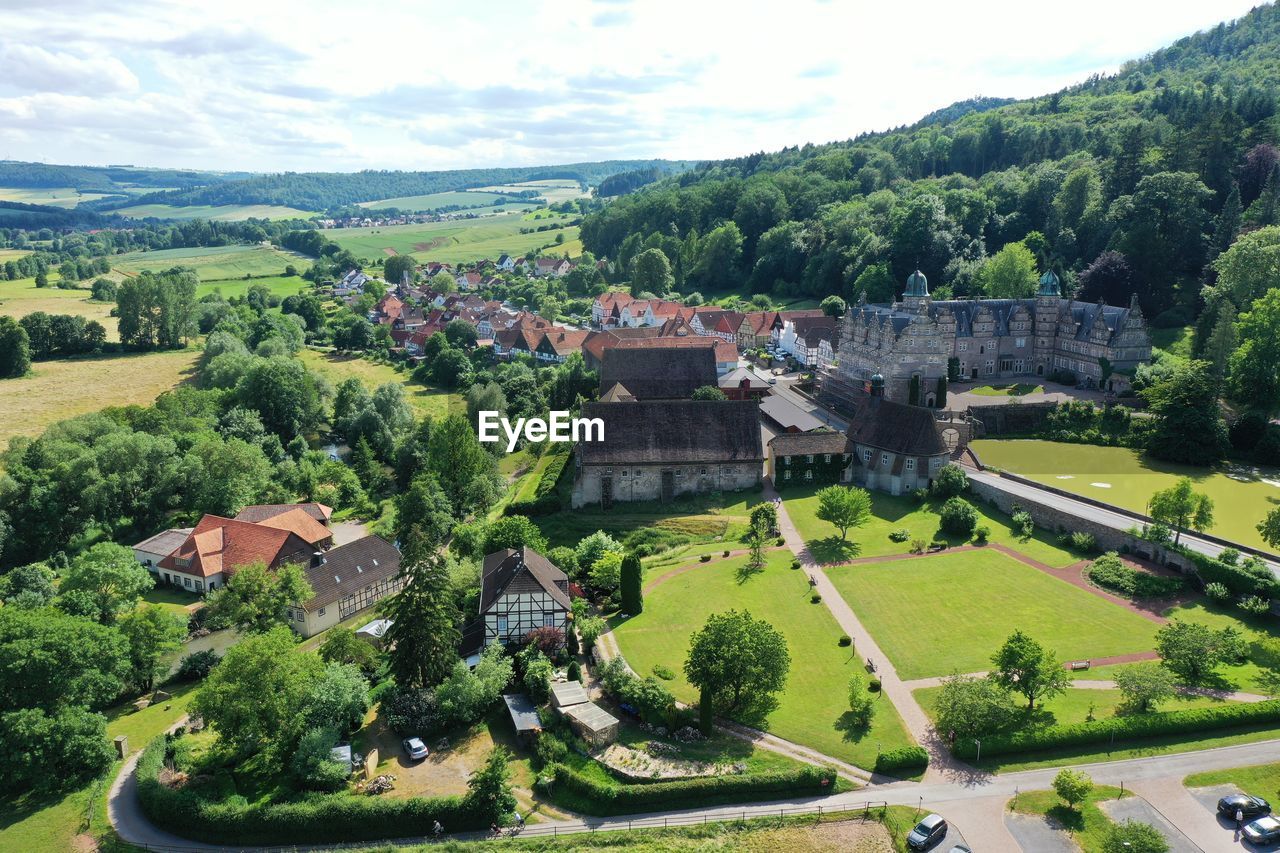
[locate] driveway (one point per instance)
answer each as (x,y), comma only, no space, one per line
(347,531)
(1139,810)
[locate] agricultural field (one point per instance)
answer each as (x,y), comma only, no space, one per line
(217,213)
(279,285)
(554,190)
(1242,494)
(55,390)
(426,402)
(212,263)
(455,241)
(813,707)
(66,197)
(435,201)
(13,254)
(945,613)
(21,297)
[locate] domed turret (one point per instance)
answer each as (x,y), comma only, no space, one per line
(877,385)
(1049,285)
(917,285)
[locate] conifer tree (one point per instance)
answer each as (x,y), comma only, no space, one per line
(632,595)
(423,636)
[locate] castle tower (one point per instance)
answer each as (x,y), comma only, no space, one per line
(1048,305)
(917,292)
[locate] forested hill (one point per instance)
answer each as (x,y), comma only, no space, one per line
(324,190)
(1128,183)
(105,179)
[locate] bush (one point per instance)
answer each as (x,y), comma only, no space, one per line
(1217,591)
(919,495)
(726,553)
(197,665)
(959,517)
(1241,580)
(706,558)
(1126,729)
(902,758)
(1110,572)
(845,640)
(795,564)
(902,534)
(1023,524)
(1253,604)
(574,672)
(609,798)
(918,546)
(815,599)
(1083,542)
(951,481)
(981,534)
(663,672)
(549,749)
(313,767)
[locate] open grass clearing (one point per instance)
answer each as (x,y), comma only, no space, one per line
(426,402)
(1260,780)
(13,254)
(946,613)
(452,241)
(211,263)
(21,297)
(813,708)
(279,285)
(1020,389)
(64,388)
(890,513)
(64,197)
(1176,341)
(435,201)
(1241,494)
(718,518)
(216,213)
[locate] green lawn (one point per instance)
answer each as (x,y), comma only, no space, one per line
(1176,341)
(216,213)
(1086,823)
(890,513)
(454,241)
(813,705)
(1241,494)
(1260,780)
(705,518)
(1011,390)
(279,285)
(212,263)
(426,402)
(948,613)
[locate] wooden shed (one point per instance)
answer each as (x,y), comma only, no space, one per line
(593,724)
(566,693)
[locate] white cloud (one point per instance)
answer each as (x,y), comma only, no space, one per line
(319,84)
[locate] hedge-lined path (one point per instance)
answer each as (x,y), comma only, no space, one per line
(1107,684)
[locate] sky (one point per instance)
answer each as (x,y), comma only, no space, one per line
(277,85)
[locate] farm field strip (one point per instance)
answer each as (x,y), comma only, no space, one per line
(216,213)
(211,263)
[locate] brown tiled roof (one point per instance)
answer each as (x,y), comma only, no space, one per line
(660,368)
(521,570)
(565,341)
(804,443)
(674,431)
(350,568)
(726,352)
(298,522)
(259,512)
(220,544)
(895,427)
(617,394)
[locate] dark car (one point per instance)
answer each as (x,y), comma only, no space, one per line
(1264,830)
(1249,806)
(927,833)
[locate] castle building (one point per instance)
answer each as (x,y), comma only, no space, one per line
(912,341)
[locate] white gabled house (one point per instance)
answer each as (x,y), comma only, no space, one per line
(520,590)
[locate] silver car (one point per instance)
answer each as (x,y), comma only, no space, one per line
(416,748)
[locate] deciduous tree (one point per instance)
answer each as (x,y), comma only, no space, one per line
(845,507)
(738,663)
(1024,666)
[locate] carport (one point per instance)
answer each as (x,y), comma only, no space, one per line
(524,715)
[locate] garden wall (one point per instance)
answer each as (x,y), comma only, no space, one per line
(1017,418)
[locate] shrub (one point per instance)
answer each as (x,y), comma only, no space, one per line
(918,546)
(574,671)
(1242,580)
(663,672)
(726,553)
(902,758)
(951,481)
(902,534)
(981,534)
(1126,729)
(1084,542)
(1230,556)
(1111,572)
(610,798)
(795,564)
(861,705)
(846,640)
(815,599)
(958,517)
(874,685)
(197,665)
(549,749)
(313,766)
(1253,604)
(1023,524)
(1217,591)
(706,558)
(919,495)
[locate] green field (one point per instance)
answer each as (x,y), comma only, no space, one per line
(217,213)
(1176,341)
(1015,390)
(435,201)
(212,263)
(66,197)
(279,285)
(1260,780)
(456,241)
(553,189)
(64,388)
(1241,494)
(426,402)
(721,519)
(890,513)
(13,254)
(21,297)
(947,613)
(814,703)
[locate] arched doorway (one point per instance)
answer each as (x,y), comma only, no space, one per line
(951,437)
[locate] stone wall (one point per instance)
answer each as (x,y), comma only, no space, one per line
(644,482)
(1011,417)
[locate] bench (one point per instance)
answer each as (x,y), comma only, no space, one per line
(1077,665)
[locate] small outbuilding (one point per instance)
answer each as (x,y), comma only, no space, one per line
(524,715)
(566,693)
(373,632)
(592,723)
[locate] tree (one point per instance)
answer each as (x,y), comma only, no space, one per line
(708,392)
(861,704)
(1073,786)
(284,393)
(253,698)
(1269,528)
(54,661)
(1181,508)
(112,578)
(1010,273)
(950,481)
(845,507)
(1144,685)
(15,349)
(632,595)
(968,706)
(397,267)
(514,531)
(1223,342)
(338,698)
(606,572)
(53,752)
(833,306)
(1109,278)
(257,599)
(738,663)
(28,586)
(313,766)
(1255,365)
(153,634)
(594,546)
(489,794)
(958,517)
(341,645)
(423,636)
(1190,649)
(1134,837)
(423,512)
(1188,425)
(460,334)
(651,272)
(1024,666)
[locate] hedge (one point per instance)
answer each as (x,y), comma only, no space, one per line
(1109,572)
(609,798)
(1235,578)
(546,499)
(902,758)
(1125,729)
(314,818)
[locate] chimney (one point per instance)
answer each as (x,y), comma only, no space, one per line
(317,557)
(877,385)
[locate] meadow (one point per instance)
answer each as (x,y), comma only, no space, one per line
(212,263)
(55,390)
(1241,494)
(455,241)
(66,197)
(279,285)
(945,613)
(813,707)
(426,402)
(21,297)
(435,201)
(217,213)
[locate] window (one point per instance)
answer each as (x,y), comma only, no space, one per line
(786,475)
(808,457)
(884,460)
(786,460)
(548,620)
(826,457)
(625,472)
(1020,342)
(911,464)
(186,582)
(502,627)
(963,346)
(199,586)
(866,456)
(808,474)
(703,472)
(933,344)
(320,612)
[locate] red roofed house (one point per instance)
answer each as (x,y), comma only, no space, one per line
(558,344)
(217,546)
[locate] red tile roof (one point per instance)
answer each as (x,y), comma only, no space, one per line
(223,544)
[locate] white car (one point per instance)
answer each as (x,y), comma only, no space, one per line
(416,748)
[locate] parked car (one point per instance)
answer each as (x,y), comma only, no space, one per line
(773,380)
(1264,830)
(927,833)
(416,748)
(1249,806)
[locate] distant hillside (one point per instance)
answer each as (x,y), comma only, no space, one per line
(106,179)
(325,190)
(1156,169)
